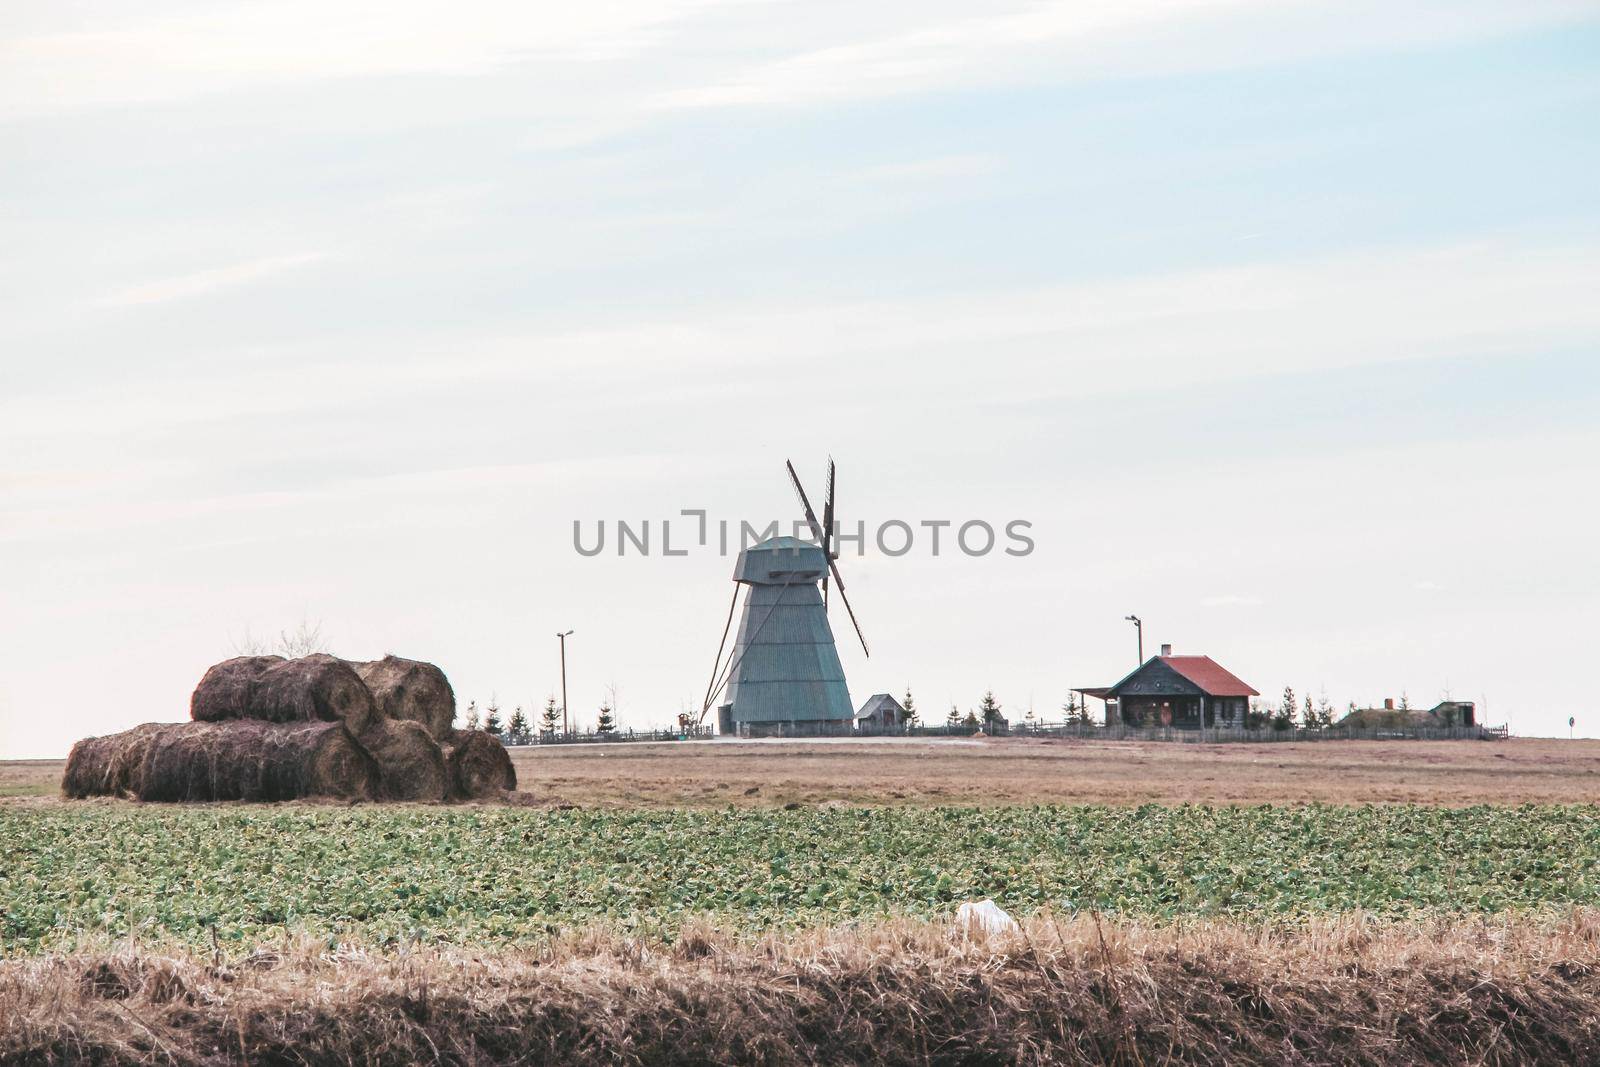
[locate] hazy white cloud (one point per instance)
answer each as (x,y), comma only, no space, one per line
(936,168)
(1068,39)
(919,57)
(1231,600)
(113,56)
(118,56)
(199,283)
(1078,340)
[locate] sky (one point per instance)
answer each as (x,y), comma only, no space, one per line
(1276,322)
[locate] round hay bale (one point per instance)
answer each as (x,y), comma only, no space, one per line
(479,765)
(410,764)
(273,689)
(412,690)
(257,761)
(88,772)
(109,766)
(225,690)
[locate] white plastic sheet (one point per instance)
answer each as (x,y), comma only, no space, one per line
(985,916)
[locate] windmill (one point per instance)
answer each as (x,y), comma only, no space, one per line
(784,669)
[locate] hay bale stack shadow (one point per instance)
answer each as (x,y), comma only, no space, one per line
(479,765)
(411,690)
(411,765)
(317,688)
(235,760)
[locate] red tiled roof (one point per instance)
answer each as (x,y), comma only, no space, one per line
(1212,678)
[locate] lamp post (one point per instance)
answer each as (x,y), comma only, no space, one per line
(1138,626)
(562,637)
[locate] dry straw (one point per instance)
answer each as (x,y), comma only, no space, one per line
(410,763)
(1074,991)
(411,690)
(479,765)
(246,760)
(273,689)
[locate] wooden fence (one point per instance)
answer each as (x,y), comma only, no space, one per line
(1264,735)
(1079,731)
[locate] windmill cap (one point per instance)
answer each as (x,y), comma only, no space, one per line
(779,560)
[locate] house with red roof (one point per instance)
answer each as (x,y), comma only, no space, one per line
(1178,691)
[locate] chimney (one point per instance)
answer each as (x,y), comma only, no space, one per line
(1166,650)
(1388,703)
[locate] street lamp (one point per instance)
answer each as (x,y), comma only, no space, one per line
(1138,625)
(562,637)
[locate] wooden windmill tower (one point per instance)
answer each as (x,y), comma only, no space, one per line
(784,675)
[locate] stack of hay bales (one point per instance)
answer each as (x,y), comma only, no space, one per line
(408,690)
(268,728)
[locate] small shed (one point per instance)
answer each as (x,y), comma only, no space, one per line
(881,712)
(1455,713)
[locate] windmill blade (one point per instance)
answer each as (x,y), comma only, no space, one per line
(837,580)
(827,530)
(833,568)
(827,511)
(811,516)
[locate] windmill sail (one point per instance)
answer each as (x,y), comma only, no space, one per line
(832,567)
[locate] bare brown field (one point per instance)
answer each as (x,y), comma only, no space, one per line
(1017,771)
(1068,990)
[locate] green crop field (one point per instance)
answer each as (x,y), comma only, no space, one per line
(76,874)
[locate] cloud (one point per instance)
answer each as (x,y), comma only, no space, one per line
(927,55)
(1231,600)
(199,283)
(936,168)
(1073,39)
(195,50)
(834,50)
(1044,345)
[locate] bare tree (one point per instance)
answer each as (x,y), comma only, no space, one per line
(305,639)
(249,645)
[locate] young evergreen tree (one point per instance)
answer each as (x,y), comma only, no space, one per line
(491,717)
(1284,717)
(1405,701)
(473,721)
(517,728)
(989,708)
(606,723)
(971,721)
(1255,718)
(1324,711)
(954,718)
(550,717)
(912,718)
(1308,715)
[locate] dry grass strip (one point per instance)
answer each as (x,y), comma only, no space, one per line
(1064,991)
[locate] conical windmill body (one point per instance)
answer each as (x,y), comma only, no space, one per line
(784,673)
